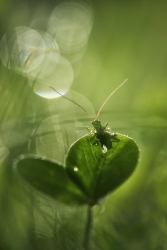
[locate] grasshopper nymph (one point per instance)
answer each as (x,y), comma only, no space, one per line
(100,131)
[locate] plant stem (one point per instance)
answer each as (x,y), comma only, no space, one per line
(88,228)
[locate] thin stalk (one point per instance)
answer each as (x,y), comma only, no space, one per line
(88,229)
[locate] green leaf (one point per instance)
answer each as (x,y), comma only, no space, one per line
(97,172)
(51,179)
(90,173)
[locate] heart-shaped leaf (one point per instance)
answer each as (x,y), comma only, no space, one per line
(98,171)
(50,178)
(90,171)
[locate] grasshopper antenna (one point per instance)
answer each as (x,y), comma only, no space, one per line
(109,97)
(73,102)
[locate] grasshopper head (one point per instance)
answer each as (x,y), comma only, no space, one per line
(97,126)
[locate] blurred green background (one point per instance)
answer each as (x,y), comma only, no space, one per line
(128,40)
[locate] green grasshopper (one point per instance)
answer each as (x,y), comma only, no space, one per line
(101,131)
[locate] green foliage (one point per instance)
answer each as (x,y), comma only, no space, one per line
(50,178)
(100,171)
(90,171)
